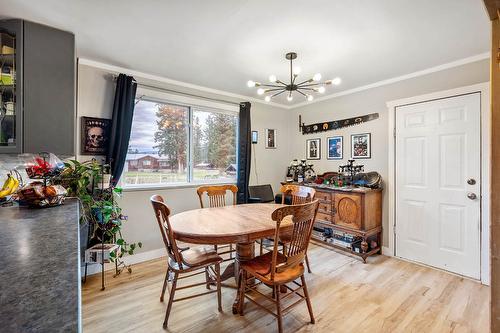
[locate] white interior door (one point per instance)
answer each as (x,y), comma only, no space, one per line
(438,163)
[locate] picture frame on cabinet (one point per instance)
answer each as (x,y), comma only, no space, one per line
(270,138)
(361,146)
(313,149)
(335,147)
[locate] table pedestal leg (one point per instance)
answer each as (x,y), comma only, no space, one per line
(244,252)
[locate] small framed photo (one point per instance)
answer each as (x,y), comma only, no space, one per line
(335,148)
(361,146)
(95,136)
(270,138)
(255,137)
(313,149)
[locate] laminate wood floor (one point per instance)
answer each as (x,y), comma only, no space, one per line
(385,295)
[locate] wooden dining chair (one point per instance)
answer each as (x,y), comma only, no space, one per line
(216,195)
(182,261)
(298,195)
(277,269)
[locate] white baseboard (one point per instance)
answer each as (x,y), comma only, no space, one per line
(129,260)
(386,251)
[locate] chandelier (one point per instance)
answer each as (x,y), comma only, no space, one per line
(305,88)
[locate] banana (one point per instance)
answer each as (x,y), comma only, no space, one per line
(15,187)
(9,186)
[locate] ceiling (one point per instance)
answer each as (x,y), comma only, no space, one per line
(222,44)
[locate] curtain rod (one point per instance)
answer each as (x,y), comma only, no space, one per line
(115,77)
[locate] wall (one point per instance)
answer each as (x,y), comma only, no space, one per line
(95,99)
(371,101)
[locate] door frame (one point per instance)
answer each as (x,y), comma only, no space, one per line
(484,90)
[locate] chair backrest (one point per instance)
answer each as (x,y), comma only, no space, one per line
(303,217)
(216,194)
(263,192)
(162,212)
(299,194)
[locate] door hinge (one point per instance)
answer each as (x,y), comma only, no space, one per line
(394,132)
(394,229)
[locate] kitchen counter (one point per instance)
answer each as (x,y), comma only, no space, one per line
(39,269)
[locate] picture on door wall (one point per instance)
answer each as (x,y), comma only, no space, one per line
(313,149)
(336,148)
(361,146)
(95,136)
(270,138)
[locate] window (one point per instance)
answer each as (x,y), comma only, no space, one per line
(178,143)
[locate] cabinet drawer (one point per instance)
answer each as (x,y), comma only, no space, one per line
(325,207)
(323,196)
(324,217)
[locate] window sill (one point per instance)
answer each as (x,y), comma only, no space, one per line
(132,188)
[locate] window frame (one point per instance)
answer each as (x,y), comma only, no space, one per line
(192,104)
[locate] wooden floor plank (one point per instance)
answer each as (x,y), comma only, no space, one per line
(385,295)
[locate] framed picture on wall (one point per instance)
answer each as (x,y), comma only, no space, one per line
(255,137)
(361,146)
(270,138)
(313,149)
(95,136)
(335,148)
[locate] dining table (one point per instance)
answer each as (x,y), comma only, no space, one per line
(238,224)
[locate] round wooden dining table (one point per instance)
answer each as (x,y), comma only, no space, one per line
(240,224)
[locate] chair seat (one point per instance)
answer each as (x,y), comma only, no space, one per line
(200,257)
(260,268)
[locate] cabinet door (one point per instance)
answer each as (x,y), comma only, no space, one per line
(347,210)
(49,90)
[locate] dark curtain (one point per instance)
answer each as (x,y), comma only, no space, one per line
(121,124)
(244,152)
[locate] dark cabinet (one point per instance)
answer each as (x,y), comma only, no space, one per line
(45,89)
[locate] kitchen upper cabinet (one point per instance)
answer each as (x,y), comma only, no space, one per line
(44,95)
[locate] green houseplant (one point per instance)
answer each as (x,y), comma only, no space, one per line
(100,209)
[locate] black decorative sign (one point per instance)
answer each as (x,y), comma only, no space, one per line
(336,124)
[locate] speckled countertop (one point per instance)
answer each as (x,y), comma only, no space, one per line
(39,269)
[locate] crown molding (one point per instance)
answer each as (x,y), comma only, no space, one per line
(138,74)
(142,75)
(427,71)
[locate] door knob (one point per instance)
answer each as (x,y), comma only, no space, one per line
(471,181)
(471,196)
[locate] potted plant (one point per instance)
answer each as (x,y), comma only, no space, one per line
(101,216)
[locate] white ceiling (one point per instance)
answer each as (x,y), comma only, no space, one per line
(222,44)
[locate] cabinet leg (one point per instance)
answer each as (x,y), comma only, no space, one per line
(364,246)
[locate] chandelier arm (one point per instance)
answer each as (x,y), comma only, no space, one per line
(305,88)
(311,85)
(300,92)
(278,93)
(281,82)
(306,81)
(270,86)
(275,89)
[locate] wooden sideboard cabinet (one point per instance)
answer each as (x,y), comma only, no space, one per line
(354,211)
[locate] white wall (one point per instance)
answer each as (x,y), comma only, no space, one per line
(371,101)
(95,99)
